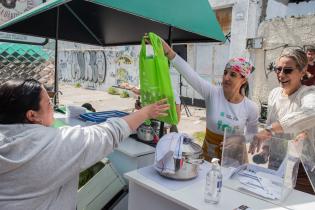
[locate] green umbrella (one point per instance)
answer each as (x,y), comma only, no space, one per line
(118,22)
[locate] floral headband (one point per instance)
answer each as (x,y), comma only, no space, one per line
(240,65)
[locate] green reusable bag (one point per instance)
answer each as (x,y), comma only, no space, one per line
(155,79)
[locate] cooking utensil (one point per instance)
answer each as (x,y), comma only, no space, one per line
(187,167)
(147,132)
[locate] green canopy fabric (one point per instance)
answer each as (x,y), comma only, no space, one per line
(195,16)
(119,22)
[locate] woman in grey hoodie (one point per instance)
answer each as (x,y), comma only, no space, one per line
(40,165)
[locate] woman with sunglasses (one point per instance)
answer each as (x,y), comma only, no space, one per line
(227,107)
(39,164)
(291,110)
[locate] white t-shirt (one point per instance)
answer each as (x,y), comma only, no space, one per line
(220,113)
(295,113)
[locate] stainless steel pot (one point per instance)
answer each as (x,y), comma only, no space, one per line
(191,160)
(147,132)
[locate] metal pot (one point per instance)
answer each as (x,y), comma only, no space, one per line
(147,132)
(191,158)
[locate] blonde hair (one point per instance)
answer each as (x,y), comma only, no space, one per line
(298,55)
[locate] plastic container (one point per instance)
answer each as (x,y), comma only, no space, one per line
(268,173)
(213,183)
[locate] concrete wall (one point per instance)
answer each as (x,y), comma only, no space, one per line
(294,31)
(278,9)
(245,20)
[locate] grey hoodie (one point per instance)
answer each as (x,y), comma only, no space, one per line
(39,166)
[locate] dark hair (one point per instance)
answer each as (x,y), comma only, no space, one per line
(16,98)
(310,48)
(88,106)
(244,90)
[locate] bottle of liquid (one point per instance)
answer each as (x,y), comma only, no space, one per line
(213,183)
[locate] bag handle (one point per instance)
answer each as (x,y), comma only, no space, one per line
(143,52)
(156,44)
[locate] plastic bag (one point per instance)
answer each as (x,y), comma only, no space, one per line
(155,80)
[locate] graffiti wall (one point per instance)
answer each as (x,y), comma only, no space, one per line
(98,68)
(86,65)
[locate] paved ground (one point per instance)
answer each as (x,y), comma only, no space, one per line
(103,101)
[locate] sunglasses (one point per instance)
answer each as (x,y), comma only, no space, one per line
(285,70)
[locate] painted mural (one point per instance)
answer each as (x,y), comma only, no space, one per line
(99,68)
(86,65)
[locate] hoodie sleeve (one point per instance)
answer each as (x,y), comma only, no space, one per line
(84,146)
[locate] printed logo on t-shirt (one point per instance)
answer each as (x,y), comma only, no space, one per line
(222,114)
(221,126)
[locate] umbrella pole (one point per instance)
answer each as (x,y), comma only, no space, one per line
(169,41)
(56,98)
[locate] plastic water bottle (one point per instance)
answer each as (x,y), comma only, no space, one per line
(213,183)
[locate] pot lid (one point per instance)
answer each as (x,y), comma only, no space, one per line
(190,147)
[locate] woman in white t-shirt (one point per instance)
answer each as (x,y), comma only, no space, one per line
(291,110)
(227,107)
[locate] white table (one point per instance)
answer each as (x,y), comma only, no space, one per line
(145,194)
